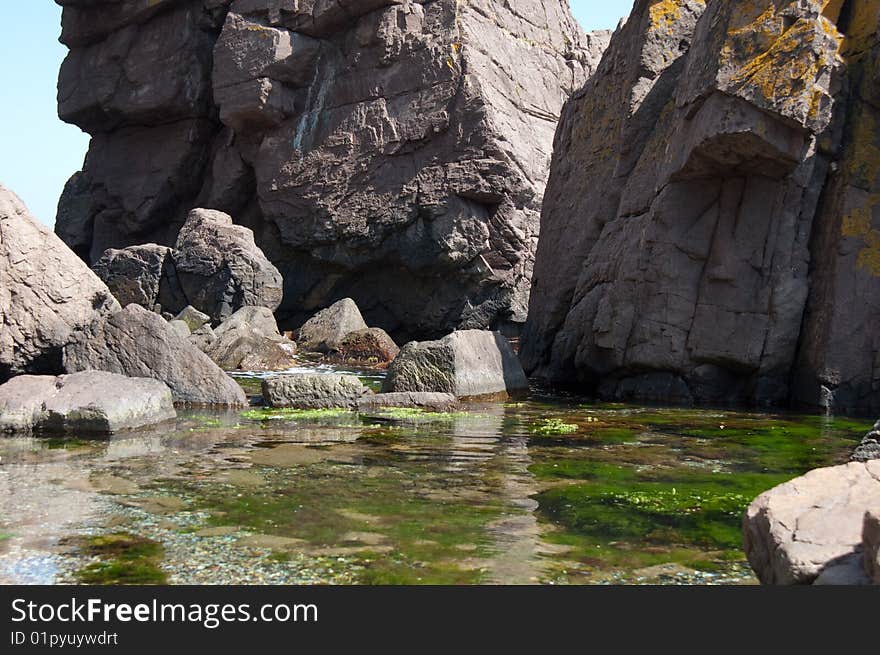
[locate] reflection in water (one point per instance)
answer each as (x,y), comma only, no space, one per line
(546,490)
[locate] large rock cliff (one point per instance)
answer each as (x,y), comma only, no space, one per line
(391,151)
(710,229)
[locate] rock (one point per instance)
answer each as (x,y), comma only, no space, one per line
(708,217)
(313,391)
(247,350)
(465,363)
(797,530)
(203,337)
(46,293)
(143,275)
(220,267)
(871,544)
(391,151)
(91,402)
(249,341)
(138,343)
(870,446)
(428,401)
(180,328)
(193,318)
(327,329)
(372,346)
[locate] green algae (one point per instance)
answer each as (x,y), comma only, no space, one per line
(284,414)
(125,559)
(553,426)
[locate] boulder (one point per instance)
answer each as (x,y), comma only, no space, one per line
(465,363)
(142,274)
(869,448)
(709,229)
(871,544)
(327,329)
(91,402)
(392,151)
(193,318)
(221,269)
(372,346)
(46,293)
(249,341)
(138,343)
(314,391)
(203,337)
(180,328)
(812,526)
(425,400)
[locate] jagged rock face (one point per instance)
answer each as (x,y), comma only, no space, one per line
(694,242)
(46,293)
(392,151)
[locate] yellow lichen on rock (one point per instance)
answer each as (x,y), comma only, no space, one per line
(666,13)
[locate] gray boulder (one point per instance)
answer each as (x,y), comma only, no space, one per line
(314,391)
(249,341)
(327,329)
(46,293)
(258,319)
(425,400)
(203,337)
(221,269)
(869,448)
(392,151)
(142,274)
(91,402)
(465,363)
(811,527)
(138,343)
(180,328)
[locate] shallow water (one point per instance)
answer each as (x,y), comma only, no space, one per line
(546,490)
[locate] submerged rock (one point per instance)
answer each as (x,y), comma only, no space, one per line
(465,363)
(392,151)
(428,401)
(91,402)
(314,391)
(46,293)
(139,343)
(810,529)
(709,232)
(327,329)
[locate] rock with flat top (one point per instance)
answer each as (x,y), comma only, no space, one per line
(91,402)
(425,400)
(465,363)
(314,391)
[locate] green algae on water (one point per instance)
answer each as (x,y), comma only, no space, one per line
(553,426)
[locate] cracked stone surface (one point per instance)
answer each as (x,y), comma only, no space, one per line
(796,531)
(709,230)
(391,151)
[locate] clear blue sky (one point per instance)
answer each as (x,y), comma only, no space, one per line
(37,151)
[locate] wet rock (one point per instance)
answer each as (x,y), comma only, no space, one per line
(314,391)
(46,293)
(91,402)
(392,152)
(708,216)
(221,269)
(464,363)
(139,343)
(142,274)
(193,318)
(869,448)
(798,530)
(327,329)
(871,544)
(428,401)
(372,346)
